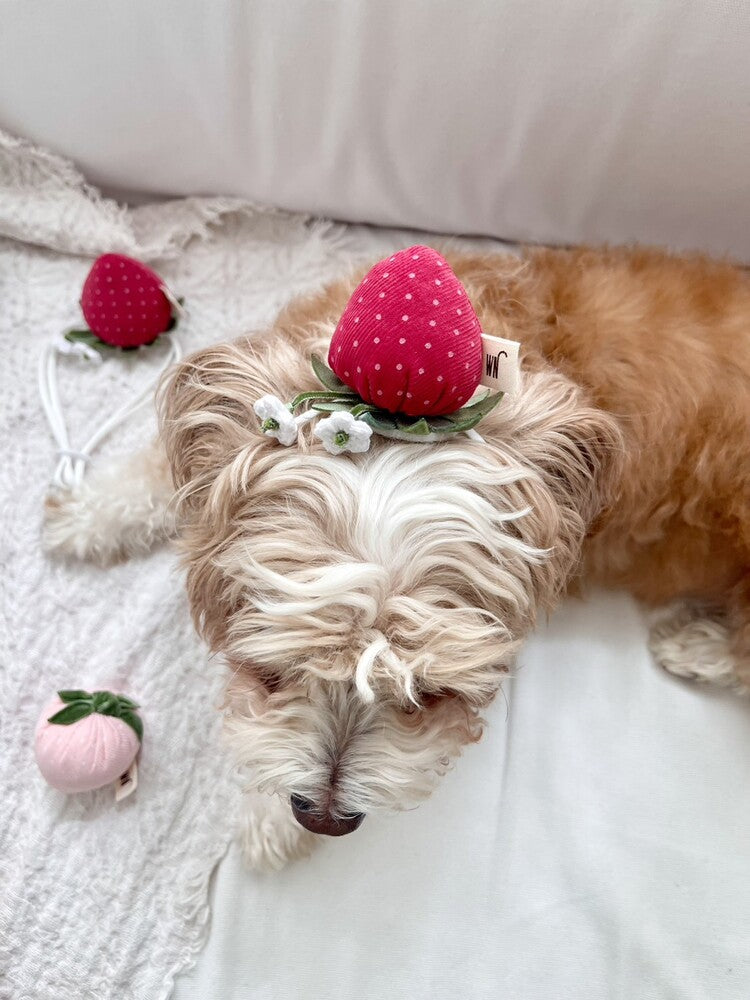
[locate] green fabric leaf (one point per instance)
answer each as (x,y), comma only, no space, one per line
(89,338)
(380,420)
(73,695)
(337,400)
(110,709)
(72,713)
(135,723)
(328,378)
(307,397)
(479,409)
(106,703)
(331,407)
(440,425)
(461,425)
(416,427)
(126,702)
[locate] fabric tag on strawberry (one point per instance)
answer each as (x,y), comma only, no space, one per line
(127,782)
(500,365)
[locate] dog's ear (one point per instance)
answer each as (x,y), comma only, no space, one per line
(574,451)
(576,446)
(206,407)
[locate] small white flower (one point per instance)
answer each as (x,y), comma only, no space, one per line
(276,420)
(342,432)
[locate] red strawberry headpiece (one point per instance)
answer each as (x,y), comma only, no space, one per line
(409,340)
(405,359)
(125,303)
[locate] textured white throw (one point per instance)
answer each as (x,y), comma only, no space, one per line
(97,899)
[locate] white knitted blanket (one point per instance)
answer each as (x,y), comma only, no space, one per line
(97,899)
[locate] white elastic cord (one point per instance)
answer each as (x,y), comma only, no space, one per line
(73,461)
(474,435)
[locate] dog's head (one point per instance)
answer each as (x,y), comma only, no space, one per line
(369,605)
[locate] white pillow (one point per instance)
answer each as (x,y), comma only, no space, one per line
(585,120)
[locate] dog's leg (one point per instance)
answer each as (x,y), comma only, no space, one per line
(695,641)
(120,509)
(270,836)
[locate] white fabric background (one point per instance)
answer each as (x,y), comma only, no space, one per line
(105,901)
(546,120)
(594,846)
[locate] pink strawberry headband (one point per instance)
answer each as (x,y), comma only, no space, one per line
(406,358)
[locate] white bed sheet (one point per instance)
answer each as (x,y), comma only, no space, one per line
(594,845)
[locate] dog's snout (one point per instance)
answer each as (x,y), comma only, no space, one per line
(323,821)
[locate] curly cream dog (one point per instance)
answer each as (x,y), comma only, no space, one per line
(370,605)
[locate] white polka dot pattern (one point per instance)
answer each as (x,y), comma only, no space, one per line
(395,365)
(111,309)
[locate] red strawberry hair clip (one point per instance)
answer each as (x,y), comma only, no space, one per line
(127,306)
(405,360)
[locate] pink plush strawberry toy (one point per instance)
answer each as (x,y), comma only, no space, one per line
(125,304)
(85,740)
(405,361)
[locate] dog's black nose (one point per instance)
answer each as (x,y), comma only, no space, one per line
(316,821)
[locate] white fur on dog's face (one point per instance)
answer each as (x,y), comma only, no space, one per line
(368,643)
(369,605)
(323,742)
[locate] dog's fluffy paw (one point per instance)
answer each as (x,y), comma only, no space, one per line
(270,836)
(694,642)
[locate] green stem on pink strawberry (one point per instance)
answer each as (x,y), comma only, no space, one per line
(80,704)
